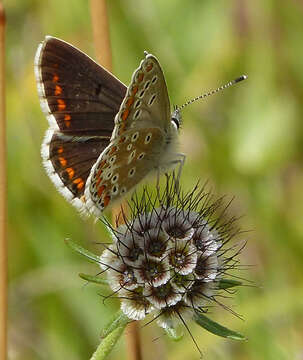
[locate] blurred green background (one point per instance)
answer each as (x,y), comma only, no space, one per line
(248,141)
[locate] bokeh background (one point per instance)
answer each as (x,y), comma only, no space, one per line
(247,141)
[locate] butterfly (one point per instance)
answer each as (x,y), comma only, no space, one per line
(104,138)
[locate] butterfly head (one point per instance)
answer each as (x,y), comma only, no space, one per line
(176,118)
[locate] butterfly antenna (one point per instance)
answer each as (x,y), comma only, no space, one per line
(240,78)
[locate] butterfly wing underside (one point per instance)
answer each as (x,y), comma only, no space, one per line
(127,161)
(138,139)
(80,100)
(146,104)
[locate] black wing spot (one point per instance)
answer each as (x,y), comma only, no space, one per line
(151,100)
(98,89)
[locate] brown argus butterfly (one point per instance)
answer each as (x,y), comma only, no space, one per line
(103,138)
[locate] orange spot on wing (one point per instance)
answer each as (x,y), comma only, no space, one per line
(55,78)
(60,150)
(99,173)
(80,185)
(122,126)
(135,90)
(101,189)
(63,161)
(106,200)
(125,114)
(102,163)
(67,118)
(149,67)
(129,102)
(79,182)
(140,77)
(71,172)
(58,90)
(99,180)
(122,140)
(61,104)
(114,149)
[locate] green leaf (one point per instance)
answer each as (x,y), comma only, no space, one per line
(79,249)
(93,279)
(108,343)
(110,335)
(216,328)
(173,335)
(119,319)
(228,283)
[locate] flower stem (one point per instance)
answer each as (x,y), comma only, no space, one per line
(133,341)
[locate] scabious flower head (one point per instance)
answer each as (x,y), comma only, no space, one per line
(169,257)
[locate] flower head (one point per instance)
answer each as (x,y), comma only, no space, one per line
(169,258)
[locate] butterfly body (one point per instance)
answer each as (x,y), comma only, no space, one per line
(104,138)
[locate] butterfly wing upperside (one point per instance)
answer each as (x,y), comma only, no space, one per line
(80,100)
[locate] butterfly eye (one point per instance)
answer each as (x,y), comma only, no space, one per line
(154,79)
(176,119)
(131,172)
(176,122)
(147,138)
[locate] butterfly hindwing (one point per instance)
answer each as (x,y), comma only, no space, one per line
(69,162)
(122,165)
(146,103)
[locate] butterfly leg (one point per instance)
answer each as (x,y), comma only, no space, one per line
(158,184)
(180,161)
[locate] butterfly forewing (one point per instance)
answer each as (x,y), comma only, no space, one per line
(127,161)
(146,103)
(80,100)
(75,92)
